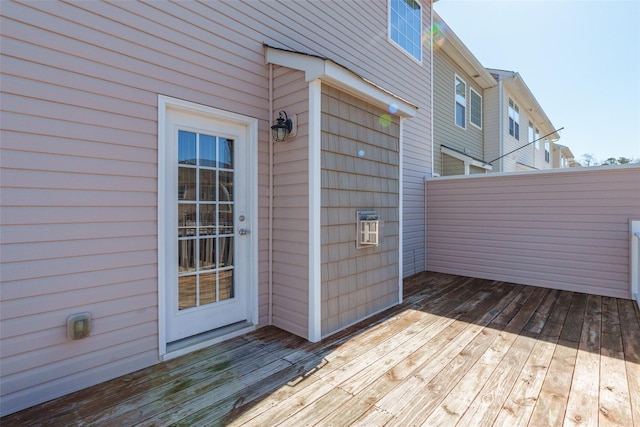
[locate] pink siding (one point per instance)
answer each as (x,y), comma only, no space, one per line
(80,82)
(291,207)
(563,229)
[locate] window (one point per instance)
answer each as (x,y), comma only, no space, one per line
(546,150)
(461,102)
(530,132)
(514,119)
(475,111)
(537,139)
(405,26)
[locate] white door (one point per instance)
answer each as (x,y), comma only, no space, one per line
(207,224)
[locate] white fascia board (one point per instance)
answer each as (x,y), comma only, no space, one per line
(335,75)
(466,159)
(531,105)
(463,57)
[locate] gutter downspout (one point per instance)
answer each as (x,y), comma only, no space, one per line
(431,101)
(426,247)
(270,238)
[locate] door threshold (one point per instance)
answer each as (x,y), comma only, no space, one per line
(206,339)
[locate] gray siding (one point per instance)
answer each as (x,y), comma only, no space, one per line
(451,165)
(559,229)
(357,283)
(492,121)
(79,160)
(445,131)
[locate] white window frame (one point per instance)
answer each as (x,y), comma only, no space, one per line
(456,103)
(516,119)
(547,151)
(536,135)
(473,91)
(391,28)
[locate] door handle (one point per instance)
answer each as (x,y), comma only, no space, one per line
(243,232)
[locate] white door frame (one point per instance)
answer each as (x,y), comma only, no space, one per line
(250,125)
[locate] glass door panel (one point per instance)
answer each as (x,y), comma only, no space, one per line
(205,210)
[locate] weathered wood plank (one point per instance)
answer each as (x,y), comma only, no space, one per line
(519,405)
(374,417)
(615,403)
(487,405)
(582,405)
(630,330)
(99,398)
(552,401)
(394,376)
(210,384)
(472,398)
(330,371)
(457,350)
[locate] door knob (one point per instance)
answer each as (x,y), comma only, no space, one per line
(243,232)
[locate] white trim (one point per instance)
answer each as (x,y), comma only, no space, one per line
(400,212)
(516,109)
(471,89)
(162,185)
(468,161)
(251,134)
(501,126)
(592,169)
(634,260)
(431,120)
(395,44)
(333,74)
(455,101)
(206,343)
(462,56)
(315,204)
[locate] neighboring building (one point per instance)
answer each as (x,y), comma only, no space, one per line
(459,84)
(514,120)
(562,157)
(485,120)
(141,184)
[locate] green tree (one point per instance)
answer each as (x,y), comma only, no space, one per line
(589,160)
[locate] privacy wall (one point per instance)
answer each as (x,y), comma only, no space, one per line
(564,229)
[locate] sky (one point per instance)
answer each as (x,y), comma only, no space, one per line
(580,59)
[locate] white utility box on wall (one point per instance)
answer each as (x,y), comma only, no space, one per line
(369,224)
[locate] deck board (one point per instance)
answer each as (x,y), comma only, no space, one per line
(457,350)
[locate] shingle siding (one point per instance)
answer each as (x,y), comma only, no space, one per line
(360,170)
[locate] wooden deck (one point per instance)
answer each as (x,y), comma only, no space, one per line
(458,351)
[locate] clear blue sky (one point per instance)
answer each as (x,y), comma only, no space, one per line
(581,60)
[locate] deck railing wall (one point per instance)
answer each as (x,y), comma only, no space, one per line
(566,229)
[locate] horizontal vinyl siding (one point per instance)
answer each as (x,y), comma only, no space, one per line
(565,230)
(291,207)
(80,83)
(445,131)
(451,165)
(491,126)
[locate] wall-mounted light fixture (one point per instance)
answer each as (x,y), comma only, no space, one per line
(282,128)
